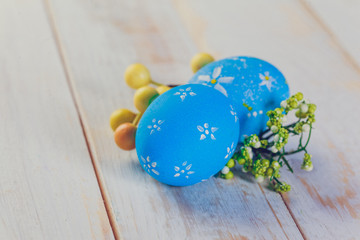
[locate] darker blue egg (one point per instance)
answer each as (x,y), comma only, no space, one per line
(187,135)
(255,87)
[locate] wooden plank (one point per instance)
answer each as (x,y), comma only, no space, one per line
(326,202)
(341,20)
(48,189)
(98,40)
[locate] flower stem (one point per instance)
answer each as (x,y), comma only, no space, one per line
(287,127)
(137,119)
(278,181)
(156,83)
(300,141)
(308,140)
(287,164)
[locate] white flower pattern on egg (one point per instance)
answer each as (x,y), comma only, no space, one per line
(207,131)
(155,125)
(267,80)
(216,80)
(183,93)
(149,165)
(230,150)
(254,113)
(244,62)
(249,94)
(184,169)
(232,111)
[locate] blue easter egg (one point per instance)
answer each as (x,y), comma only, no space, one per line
(187,135)
(254,85)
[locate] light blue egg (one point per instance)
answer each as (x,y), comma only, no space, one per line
(187,135)
(251,83)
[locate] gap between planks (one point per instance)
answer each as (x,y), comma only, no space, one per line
(95,164)
(104,194)
(292,216)
(276,217)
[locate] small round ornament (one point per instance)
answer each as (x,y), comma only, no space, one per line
(254,85)
(187,135)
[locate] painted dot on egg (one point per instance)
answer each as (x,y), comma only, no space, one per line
(247,81)
(197,135)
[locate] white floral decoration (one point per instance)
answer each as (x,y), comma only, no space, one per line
(184,169)
(233,112)
(149,165)
(254,113)
(230,150)
(244,62)
(207,131)
(155,125)
(183,93)
(216,80)
(249,94)
(267,80)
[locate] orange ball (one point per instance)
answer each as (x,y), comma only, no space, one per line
(124,136)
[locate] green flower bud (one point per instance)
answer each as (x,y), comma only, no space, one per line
(241,161)
(268,123)
(269,171)
(298,127)
(275,165)
(312,108)
(264,143)
(307,156)
(282,187)
(265,162)
(299,96)
(293,103)
(279,110)
(231,163)
(311,118)
(274,129)
(229,175)
(307,166)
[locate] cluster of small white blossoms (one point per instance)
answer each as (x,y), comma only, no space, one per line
(263,155)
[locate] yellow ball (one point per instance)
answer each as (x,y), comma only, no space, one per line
(121,116)
(137,76)
(143,97)
(200,60)
(161,89)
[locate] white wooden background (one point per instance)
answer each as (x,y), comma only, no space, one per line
(61,75)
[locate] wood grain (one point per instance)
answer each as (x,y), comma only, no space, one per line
(98,40)
(341,21)
(326,202)
(48,189)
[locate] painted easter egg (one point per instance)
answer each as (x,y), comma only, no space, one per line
(187,135)
(254,85)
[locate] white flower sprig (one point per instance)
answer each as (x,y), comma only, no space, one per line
(263,155)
